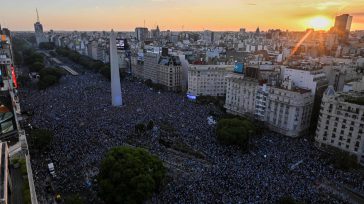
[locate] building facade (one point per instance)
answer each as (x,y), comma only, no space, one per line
(289,109)
(341,122)
(163,70)
(141,34)
(311,79)
(208,80)
(241,94)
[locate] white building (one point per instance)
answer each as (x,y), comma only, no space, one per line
(310,79)
(341,122)
(289,109)
(261,102)
(286,109)
(241,94)
(208,80)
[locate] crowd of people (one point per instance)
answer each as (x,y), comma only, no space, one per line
(78,110)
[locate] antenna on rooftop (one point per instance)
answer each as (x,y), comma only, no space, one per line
(144,23)
(37,14)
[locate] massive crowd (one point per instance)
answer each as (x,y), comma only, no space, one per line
(79,112)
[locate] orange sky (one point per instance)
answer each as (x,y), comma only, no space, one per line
(125,15)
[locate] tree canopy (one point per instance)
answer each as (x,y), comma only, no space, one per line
(36,66)
(74,199)
(41,138)
(129,175)
(235,131)
(345,161)
(49,77)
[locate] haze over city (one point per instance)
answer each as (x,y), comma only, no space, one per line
(192,15)
(171,101)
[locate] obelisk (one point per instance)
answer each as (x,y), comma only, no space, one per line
(115,77)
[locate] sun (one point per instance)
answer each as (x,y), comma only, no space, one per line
(319,23)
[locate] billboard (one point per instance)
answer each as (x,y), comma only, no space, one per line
(239,68)
(14,77)
(120,44)
(191,97)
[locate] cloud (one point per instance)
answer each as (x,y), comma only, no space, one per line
(324,5)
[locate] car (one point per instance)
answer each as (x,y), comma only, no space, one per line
(51,169)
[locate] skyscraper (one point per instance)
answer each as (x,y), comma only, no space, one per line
(343,25)
(141,34)
(38,28)
(115,77)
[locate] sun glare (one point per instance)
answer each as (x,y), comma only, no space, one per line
(319,23)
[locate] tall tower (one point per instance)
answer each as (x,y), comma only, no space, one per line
(38,28)
(343,25)
(115,77)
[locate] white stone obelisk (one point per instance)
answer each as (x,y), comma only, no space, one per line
(115,77)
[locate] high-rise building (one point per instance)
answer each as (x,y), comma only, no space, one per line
(343,25)
(141,34)
(38,28)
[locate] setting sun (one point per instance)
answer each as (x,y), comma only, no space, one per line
(319,23)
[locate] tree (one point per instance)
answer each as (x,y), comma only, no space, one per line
(129,175)
(41,138)
(149,82)
(36,67)
(75,56)
(74,199)
(106,71)
(235,131)
(46,45)
(49,77)
(150,125)
(47,81)
(96,66)
(345,161)
(140,128)
(52,71)
(287,200)
(30,57)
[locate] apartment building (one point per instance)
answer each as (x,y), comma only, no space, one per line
(241,94)
(163,70)
(341,122)
(307,77)
(151,66)
(170,72)
(289,109)
(208,80)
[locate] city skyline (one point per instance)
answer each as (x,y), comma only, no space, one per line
(175,15)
